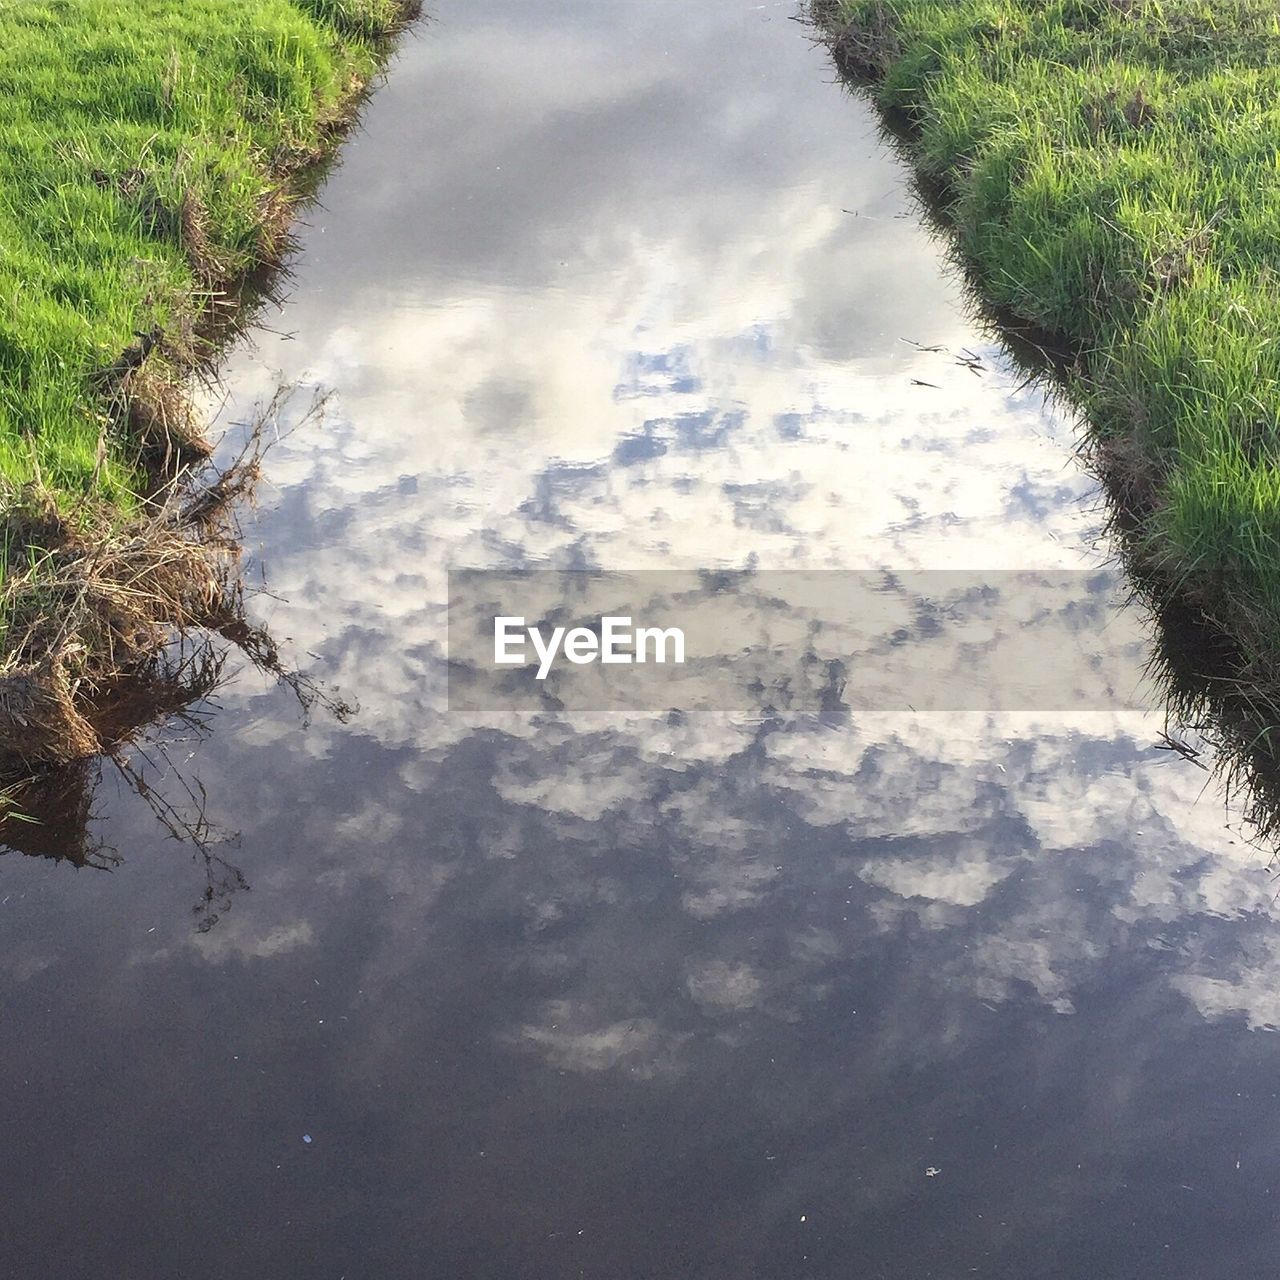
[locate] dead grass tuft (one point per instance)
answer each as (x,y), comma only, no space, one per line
(89,614)
(162,420)
(196,240)
(111,623)
(148,404)
(1114,114)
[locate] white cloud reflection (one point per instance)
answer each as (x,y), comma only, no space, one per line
(558,339)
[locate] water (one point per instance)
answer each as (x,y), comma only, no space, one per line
(566,994)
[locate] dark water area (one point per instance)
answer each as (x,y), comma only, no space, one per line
(538,993)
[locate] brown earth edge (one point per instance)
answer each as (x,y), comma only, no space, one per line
(111,623)
(1213,692)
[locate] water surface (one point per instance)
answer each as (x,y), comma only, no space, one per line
(565,993)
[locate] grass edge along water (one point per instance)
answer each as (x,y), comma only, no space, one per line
(1110,170)
(151,154)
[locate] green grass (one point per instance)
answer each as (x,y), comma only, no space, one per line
(1112,170)
(115,117)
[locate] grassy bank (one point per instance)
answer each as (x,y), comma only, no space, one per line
(146,153)
(1110,168)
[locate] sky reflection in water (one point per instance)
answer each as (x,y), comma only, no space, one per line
(627,287)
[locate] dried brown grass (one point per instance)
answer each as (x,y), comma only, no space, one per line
(103,598)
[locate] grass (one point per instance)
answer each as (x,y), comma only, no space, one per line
(146,153)
(142,146)
(1112,172)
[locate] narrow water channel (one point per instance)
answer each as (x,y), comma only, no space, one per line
(546,994)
